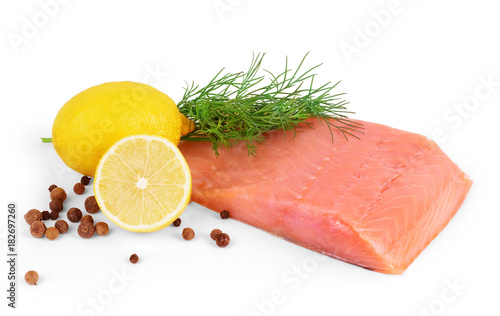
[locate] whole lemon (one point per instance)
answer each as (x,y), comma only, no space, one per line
(93,120)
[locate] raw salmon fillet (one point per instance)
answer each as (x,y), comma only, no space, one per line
(376,202)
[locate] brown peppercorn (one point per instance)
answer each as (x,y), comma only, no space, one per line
(86,230)
(33,215)
(102,229)
(52,233)
(74,215)
(56,205)
(177,222)
(85,180)
(79,188)
(224,214)
(37,229)
(222,240)
(52,187)
(61,226)
(88,218)
(45,215)
(31,277)
(58,194)
(54,215)
(91,205)
(134,258)
(214,233)
(188,233)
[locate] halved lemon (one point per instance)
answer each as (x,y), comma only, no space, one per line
(142,183)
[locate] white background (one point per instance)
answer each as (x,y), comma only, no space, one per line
(412,68)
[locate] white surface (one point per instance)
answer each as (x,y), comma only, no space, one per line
(428,58)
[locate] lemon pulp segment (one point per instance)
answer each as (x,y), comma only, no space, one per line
(142,183)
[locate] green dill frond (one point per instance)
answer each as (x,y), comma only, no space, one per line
(235,107)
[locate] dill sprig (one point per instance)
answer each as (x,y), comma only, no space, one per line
(233,108)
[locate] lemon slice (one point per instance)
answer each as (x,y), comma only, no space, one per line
(142,183)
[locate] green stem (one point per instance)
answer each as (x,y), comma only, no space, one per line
(46,140)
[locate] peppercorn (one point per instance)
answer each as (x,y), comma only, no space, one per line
(58,194)
(88,218)
(79,188)
(187,233)
(86,229)
(222,240)
(61,226)
(52,233)
(91,205)
(54,215)
(33,215)
(214,233)
(37,229)
(102,229)
(74,215)
(224,214)
(52,187)
(45,215)
(56,205)
(177,222)
(134,258)
(31,277)
(85,180)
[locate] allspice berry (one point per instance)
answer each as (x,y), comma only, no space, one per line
(134,258)
(56,205)
(54,215)
(58,194)
(37,229)
(74,215)
(88,218)
(214,233)
(52,233)
(33,215)
(52,187)
(31,277)
(91,205)
(102,229)
(85,180)
(79,188)
(61,226)
(224,214)
(45,215)
(222,240)
(177,222)
(86,230)
(188,233)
